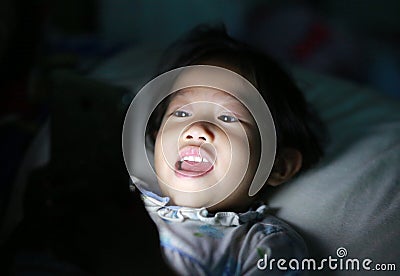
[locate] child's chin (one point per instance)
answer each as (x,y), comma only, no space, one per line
(186,185)
(189,200)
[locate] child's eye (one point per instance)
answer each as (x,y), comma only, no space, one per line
(180,113)
(228,119)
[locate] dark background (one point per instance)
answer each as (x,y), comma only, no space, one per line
(78,213)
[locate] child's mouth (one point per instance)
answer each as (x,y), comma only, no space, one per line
(193,162)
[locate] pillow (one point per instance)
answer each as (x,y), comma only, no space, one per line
(351,199)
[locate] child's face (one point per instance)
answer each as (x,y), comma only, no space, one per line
(206,150)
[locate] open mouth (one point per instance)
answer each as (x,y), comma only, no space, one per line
(194,162)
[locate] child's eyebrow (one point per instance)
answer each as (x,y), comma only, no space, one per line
(180,96)
(231,101)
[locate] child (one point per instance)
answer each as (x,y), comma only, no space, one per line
(218,143)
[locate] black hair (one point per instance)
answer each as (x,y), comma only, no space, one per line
(295,122)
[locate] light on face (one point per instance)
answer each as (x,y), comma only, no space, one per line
(200,127)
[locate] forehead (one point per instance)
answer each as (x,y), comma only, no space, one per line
(193,94)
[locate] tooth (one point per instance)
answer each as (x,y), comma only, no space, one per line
(192,158)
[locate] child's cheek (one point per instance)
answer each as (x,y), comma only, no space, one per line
(234,153)
(167,143)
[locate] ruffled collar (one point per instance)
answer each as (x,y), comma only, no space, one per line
(159,205)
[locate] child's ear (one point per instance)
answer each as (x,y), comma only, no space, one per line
(287,163)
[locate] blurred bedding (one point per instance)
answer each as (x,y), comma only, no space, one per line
(352,198)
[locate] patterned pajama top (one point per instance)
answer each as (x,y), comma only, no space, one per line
(195,242)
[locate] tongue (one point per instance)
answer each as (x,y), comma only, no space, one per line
(196,166)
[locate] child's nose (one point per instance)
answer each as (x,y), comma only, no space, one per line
(200,131)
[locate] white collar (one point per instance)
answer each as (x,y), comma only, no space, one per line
(157,204)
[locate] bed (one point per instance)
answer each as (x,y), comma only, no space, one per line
(348,204)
